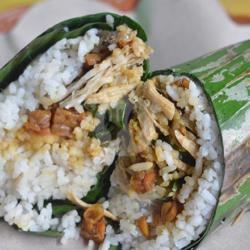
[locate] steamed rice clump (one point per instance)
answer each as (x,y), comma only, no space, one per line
(198,194)
(34,169)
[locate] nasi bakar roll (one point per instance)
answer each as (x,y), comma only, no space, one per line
(93,145)
(55,95)
(166,184)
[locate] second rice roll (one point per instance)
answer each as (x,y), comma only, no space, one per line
(50,156)
(165,186)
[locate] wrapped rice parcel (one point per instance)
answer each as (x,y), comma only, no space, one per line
(167,180)
(58,97)
(95,145)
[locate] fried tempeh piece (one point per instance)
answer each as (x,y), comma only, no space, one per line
(93,225)
(91,59)
(166,212)
(39,122)
(64,121)
(184,83)
(143,181)
(169,211)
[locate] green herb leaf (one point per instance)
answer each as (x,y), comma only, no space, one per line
(115,247)
(187,158)
(92,108)
(61,209)
(48,233)
(117,114)
(177,184)
(101,188)
(120,115)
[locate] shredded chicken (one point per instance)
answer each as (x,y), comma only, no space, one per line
(120,176)
(146,124)
(181,165)
(106,67)
(125,35)
(75,200)
(166,106)
(187,123)
(164,129)
(177,122)
(186,143)
(110,94)
(108,71)
(148,155)
(138,143)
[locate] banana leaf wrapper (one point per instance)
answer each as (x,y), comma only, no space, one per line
(68,29)
(225,77)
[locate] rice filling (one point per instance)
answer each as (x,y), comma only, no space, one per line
(166,204)
(80,122)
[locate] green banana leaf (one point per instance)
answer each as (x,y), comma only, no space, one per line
(225,77)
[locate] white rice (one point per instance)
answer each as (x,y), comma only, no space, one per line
(49,74)
(28,178)
(110,20)
(198,194)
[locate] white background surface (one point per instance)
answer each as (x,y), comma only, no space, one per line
(179,30)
